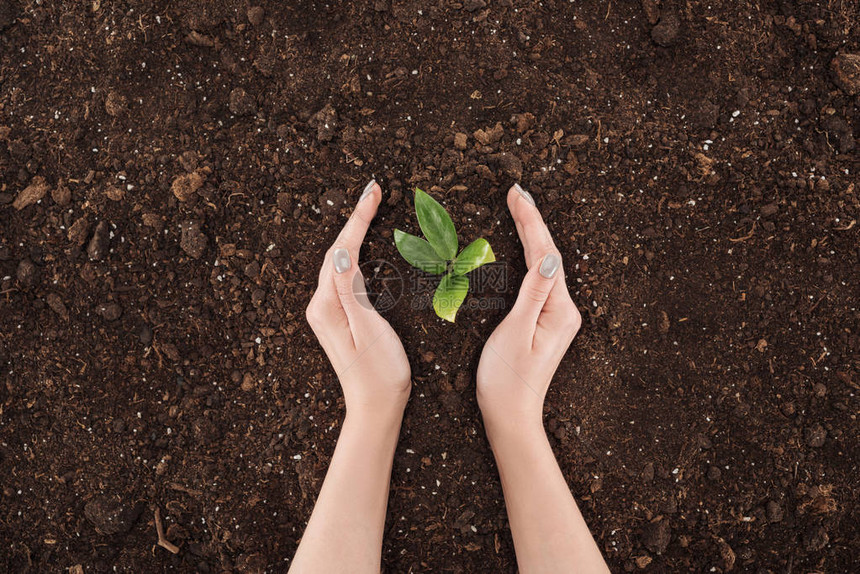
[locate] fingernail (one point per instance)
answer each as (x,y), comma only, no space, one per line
(340,257)
(526,195)
(368,189)
(550,265)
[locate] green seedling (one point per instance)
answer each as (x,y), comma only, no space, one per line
(438,254)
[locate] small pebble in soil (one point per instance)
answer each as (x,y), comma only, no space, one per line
(648,472)
(186,185)
(111,514)
(664,324)
(256,15)
(839,130)
(670,506)
(57,306)
(145,334)
(98,246)
(489,136)
(462,381)
(703,441)
(523,122)
(170,351)
(252,269)
(511,165)
(27,273)
(258,297)
(656,535)
(769,209)
(665,33)
(31,194)
(189,160)
(703,113)
(152,220)
(61,195)
(815,435)
(192,241)
(846,72)
(110,311)
(242,103)
(78,231)
(714,473)
(284,201)
(325,122)
(774,511)
(115,104)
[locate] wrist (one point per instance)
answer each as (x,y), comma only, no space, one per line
(373,430)
(377,413)
(502,425)
(369,397)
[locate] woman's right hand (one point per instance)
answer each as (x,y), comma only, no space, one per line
(363,349)
(522,354)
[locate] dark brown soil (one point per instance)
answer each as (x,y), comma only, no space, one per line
(172,173)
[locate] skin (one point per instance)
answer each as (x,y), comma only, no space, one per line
(514,374)
(344,533)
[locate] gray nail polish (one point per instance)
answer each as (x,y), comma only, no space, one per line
(341,260)
(550,265)
(367,189)
(526,195)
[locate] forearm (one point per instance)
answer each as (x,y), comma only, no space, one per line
(549,532)
(344,533)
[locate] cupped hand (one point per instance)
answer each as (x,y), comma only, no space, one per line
(521,356)
(364,350)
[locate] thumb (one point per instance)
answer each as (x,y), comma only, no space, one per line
(351,291)
(536,288)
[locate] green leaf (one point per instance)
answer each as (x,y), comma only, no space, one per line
(450,294)
(436,225)
(419,253)
(473,256)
